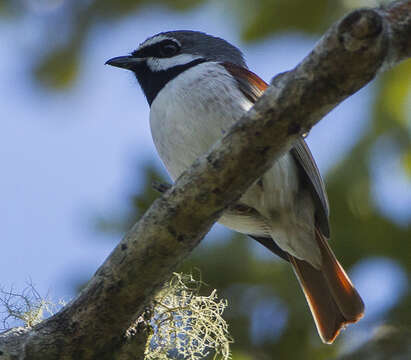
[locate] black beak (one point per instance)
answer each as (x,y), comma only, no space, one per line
(125,62)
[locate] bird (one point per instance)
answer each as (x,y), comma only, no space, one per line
(198,86)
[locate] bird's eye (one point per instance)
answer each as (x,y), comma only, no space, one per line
(168,49)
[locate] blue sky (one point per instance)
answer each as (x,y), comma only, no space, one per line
(68,157)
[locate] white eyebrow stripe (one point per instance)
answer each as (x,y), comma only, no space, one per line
(156,40)
(159,64)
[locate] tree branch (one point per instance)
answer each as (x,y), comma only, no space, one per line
(95,324)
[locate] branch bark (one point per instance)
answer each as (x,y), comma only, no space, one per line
(95,324)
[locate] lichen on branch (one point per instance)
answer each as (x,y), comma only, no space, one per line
(187,324)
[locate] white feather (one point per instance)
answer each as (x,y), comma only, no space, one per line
(156,39)
(159,64)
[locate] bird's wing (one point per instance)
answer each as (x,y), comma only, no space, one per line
(253,87)
(305,160)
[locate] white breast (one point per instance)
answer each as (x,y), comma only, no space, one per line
(192,112)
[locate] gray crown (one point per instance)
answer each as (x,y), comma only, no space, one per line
(210,47)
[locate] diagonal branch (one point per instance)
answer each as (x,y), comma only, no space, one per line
(94,325)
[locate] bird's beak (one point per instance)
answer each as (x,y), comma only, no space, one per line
(125,62)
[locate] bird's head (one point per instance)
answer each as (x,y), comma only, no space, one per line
(162,57)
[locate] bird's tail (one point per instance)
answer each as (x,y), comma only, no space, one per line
(332,298)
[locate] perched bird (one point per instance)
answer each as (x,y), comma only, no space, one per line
(197,87)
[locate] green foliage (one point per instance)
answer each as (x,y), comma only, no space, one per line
(58,69)
(181,5)
(109,9)
(393,101)
(265,17)
(407,161)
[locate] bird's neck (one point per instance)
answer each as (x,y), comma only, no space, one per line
(153,81)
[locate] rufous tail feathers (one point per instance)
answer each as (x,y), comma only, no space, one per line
(331,296)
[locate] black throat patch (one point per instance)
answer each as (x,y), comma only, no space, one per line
(153,81)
